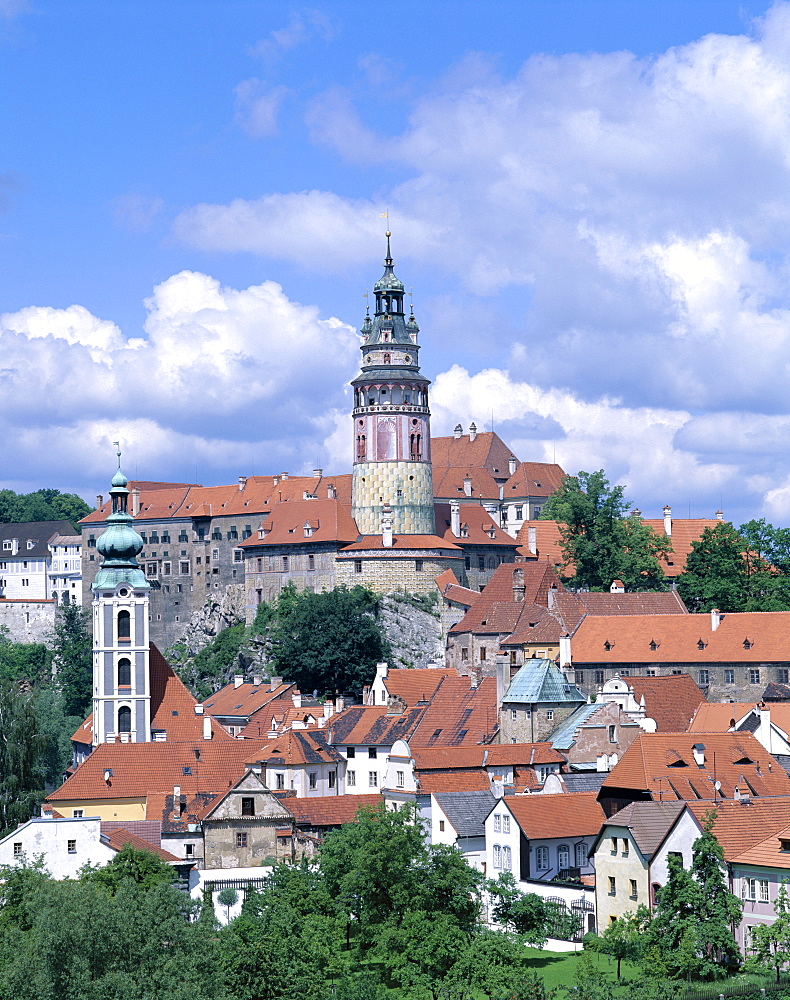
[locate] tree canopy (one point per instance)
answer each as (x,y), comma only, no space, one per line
(72,645)
(43,505)
(600,540)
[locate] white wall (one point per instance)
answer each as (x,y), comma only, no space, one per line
(197,880)
(50,838)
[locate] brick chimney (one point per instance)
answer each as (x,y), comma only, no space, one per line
(135,501)
(512,465)
(386,526)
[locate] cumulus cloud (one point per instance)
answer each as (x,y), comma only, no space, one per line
(225,379)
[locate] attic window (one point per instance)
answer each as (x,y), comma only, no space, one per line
(484,621)
(437,732)
(174,712)
(784,845)
(701,644)
(607,645)
(747,643)
(186,770)
(654,644)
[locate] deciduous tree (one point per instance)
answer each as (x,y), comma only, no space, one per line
(72,645)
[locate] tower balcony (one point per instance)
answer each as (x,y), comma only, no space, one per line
(390,408)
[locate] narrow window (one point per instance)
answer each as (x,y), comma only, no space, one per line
(280,780)
(633,888)
(497,856)
(72,847)
(542,858)
(332,779)
(373,779)
(124,719)
(17,848)
(612,886)
(351,778)
(313,779)
(241,840)
(248,806)
(124,673)
(124,626)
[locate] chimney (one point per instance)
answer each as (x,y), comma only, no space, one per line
(283,476)
(532,540)
(668,521)
(329,709)
(296,698)
(207,733)
(317,473)
(455,518)
(512,464)
(699,754)
(257,680)
(275,682)
(551,596)
(238,680)
(340,704)
(275,480)
(99,500)
(715,619)
(518,585)
(382,669)
(636,512)
(242,483)
(472,431)
(457,431)
(135,501)
(719,515)
(331,492)
(199,710)
(176,795)
(565,651)
(386,526)
(502,677)
(468,485)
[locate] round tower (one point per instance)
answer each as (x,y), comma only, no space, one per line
(121,675)
(392,422)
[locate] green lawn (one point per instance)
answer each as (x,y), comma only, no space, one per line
(558,968)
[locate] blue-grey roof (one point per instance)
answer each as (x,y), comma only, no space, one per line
(562,737)
(591,781)
(466,811)
(542,681)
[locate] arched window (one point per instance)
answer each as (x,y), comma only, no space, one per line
(655,889)
(124,719)
(124,626)
(581,854)
(563,856)
(387,359)
(124,672)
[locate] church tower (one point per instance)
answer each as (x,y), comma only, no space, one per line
(392,422)
(121,675)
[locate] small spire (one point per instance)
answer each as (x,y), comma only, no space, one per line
(388,262)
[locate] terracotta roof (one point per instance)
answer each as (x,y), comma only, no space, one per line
(455,780)
(486,451)
(451,590)
(149,830)
(172,707)
(741,826)
(718,717)
(496,609)
(118,837)
(667,603)
(304,522)
(663,765)
(401,543)
(768,853)
(752,637)
(296,747)
(570,814)
(285,714)
(450,482)
(142,770)
(329,810)
(415,685)
(533,479)
(459,715)
(671,701)
(259,496)
(244,699)
(479,526)
(493,755)
(371,725)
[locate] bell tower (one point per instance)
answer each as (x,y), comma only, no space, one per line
(392,422)
(121,674)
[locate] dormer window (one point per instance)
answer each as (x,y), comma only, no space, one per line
(701,644)
(607,645)
(31,543)
(308,529)
(653,644)
(747,643)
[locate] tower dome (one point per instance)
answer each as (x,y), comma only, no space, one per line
(119,544)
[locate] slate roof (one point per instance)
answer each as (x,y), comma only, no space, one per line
(467,811)
(564,736)
(746,637)
(663,765)
(649,823)
(541,681)
(583,781)
(671,700)
(569,815)
(37,532)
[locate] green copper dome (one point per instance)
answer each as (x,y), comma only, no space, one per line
(388,282)
(119,544)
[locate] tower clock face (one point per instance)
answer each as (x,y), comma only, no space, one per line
(407,359)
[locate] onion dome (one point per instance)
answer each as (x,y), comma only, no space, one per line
(119,544)
(388,282)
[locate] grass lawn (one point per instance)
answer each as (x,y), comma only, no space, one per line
(558,968)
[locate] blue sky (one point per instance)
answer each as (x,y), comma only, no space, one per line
(589,200)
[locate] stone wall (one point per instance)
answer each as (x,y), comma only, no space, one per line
(413,632)
(28,621)
(384,571)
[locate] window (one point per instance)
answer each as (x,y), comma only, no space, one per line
(241,840)
(599,676)
(702,677)
(581,855)
(351,778)
(612,734)
(497,856)
(17,848)
(542,858)
(441,826)
(497,823)
(763,890)
(513,713)
(357,565)
(183,568)
(481,563)
(729,676)
(351,752)
(626,847)
(311,562)
(373,779)
(578,678)
(612,886)
(72,846)
(464,655)
(166,567)
(312,779)
(124,672)
(505,824)
(482,653)
(754,676)
(507,859)
(418,565)
(372,753)
(124,719)
(550,715)
(614,845)
(518,511)
(280,780)
(77,813)
(189,850)
(783,676)
(124,626)
(400,778)
(563,856)
(634,892)
(248,806)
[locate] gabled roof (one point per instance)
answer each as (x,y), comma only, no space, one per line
(459,715)
(570,814)
(37,532)
(451,590)
(719,717)
(330,810)
(663,765)
(244,699)
(259,495)
(487,451)
(497,609)
(477,527)
(671,700)
(450,482)
(278,717)
(647,603)
(415,685)
(467,811)
(296,748)
(494,755)
(304,522)
(541,681)
(752,637)
(473,779)
(768,853)
(649,823)
(741,826)
(371,725)
(118,837)
(533,479)
(564,736)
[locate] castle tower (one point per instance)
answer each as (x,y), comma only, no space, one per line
(392,422)
(121,675)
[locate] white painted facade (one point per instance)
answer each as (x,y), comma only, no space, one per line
(218,877)
(65,845)
(307,780)
(27,574)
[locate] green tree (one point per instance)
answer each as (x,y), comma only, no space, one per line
(675,918)
(600,540)
(329,642)
(719,910)
(130,865)
(21,749)
(213,665)
(622,939)
(23,661)
(530,916)
(58,728)
(228,897)
(42,505)
(771,942)
(72,645)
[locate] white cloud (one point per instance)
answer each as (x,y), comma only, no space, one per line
(258,105)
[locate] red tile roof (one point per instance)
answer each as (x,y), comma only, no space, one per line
(451,590)
(304,522)
(671,701)
(330,810)
(742,826)
(497,611)
(718,717)
(450,481)
(753,637)
(459,715)
(487,451)
(663,765)
(533,479)
(493,755)
(245,699)
(284,714)
(294,748)
(455,780)
(118,837)
(544,817)
(667,603)
(415,685)
(479,526)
